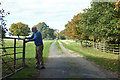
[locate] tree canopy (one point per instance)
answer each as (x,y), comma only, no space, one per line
(47,33)
(101,21)
(19,29)
(62,35)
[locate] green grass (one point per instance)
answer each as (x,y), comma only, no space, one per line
(106,60)
(58,47)
(28,71)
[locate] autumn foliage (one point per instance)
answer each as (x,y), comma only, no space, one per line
(19,29)
(101,21)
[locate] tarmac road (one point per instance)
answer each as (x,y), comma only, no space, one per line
(71,65)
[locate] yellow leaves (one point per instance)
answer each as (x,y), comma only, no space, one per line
(19,29)
(119,21)
(119,32)
(9,29)
(84,9)
(117,5)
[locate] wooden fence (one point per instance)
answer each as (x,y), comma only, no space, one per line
(11,63)
(109,48)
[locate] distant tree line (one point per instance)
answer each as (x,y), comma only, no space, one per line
(21,29)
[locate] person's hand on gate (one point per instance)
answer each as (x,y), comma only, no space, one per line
(26,41)
(23,38)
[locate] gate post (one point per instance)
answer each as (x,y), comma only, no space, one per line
(24,53)
(14,53)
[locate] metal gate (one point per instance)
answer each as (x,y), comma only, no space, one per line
(12,56)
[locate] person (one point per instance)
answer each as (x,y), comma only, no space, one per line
(37,38)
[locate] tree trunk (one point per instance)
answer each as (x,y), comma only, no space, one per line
(81,42)
(93,42)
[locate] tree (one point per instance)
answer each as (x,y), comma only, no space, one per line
(68,29)
(101,21)
(42,27)
(74,28)
(19,29)
(47,33)
(50,34)
(62,35)
(56,33)
(3,29)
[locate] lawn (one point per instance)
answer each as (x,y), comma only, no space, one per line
(106,60)
(28,71)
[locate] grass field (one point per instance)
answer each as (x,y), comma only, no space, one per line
(106,60)
(28,71)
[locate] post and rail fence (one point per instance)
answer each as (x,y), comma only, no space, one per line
(11,62)
(109,47)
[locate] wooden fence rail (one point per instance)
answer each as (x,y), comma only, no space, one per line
(111,48)
(10,67)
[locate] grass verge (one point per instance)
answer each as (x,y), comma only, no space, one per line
(58,46)
(106,60)
(29,71)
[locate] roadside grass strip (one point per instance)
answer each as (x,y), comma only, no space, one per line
(58,47)
(106,60)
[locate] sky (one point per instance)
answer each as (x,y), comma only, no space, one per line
(55,13)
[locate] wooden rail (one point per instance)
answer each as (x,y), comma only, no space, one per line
(12,67)
(111,48)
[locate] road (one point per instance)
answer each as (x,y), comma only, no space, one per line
(71,65)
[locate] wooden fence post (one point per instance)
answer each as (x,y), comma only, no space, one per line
(118,48)
(14,53)
(24,53)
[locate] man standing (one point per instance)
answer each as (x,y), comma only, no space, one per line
(37,38)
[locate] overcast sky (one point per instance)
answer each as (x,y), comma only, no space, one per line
(55,13)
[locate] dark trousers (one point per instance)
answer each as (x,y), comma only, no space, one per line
(39,55)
